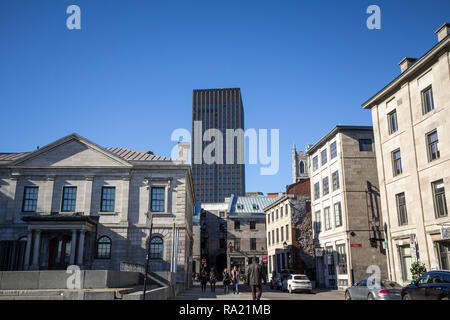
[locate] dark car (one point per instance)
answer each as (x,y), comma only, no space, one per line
(433,285)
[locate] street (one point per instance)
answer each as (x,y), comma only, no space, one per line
(268,294)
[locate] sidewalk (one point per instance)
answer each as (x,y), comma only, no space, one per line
(195,293)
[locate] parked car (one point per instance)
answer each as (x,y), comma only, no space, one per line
(386,290)
(433,285)
(297,282)
(276,282)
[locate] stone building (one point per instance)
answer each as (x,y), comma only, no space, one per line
(289,231)
(300,165)
(246,230)
(214,234)
(347,224)
(411,121)
(75,202)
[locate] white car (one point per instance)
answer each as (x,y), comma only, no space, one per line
(297,282)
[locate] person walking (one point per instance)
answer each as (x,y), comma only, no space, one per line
(226,280)
(212,280)
(235,279)
(203,280)
(255,276)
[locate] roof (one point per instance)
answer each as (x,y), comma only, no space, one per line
(333,132)
(410,72)
(136,155)
(247,204)
(12,156)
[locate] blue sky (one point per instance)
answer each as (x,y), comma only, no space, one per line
(126,78)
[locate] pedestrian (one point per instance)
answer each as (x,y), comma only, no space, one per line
(226,280)
(203,280)
(235,280)
(212,280)
(255,276)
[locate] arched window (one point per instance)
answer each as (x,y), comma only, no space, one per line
(104,248)
(302,167)
(156,248)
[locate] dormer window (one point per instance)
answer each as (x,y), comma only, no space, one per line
(255,206)
(240,206)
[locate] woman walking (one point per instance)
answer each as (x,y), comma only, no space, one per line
(212,280)
(235,279)
(226,280)
(203,280)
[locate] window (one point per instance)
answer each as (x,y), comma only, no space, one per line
(237,225)
(325,186)
(406,261)
(252,225)
(156,248)
(221,214)
(278,235)
(401,209)
(317,223)
(302,167)
(268,218)
(282,234)
(427,100)
(286,209)
(326,213)
(341,258)
(104,248)
(252,243)
(69,199)
(365,144)
(323,156)
(237,244)
(330,260)
(287,232)
(268,238)
(276,215)
(281,212)
(335,180)
(333,150)
(433,146)
(337,214)
(392,122)
(315,163)
(317,190)
(108,198)
(240,206)
(273,236)
(222,227)
(273,216)
(30,196)
(397,162)
(255,206)
(158,199)
(440,204)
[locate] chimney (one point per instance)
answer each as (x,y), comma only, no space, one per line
(443,31)
(406,63)
(183,148)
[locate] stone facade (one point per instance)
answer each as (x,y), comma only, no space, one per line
(346,220)
(289,231)
(44,235)
(410,111)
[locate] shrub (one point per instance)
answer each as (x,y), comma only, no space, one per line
(417,269)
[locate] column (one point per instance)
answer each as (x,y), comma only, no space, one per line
(28,250)
(73,245)
(37,246)
(80,249)
(125,197)
(11,207)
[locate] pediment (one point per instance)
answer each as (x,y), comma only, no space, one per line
(71,151)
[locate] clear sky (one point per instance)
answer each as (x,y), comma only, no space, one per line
(126,78)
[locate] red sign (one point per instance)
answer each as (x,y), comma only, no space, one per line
(203,261)
(352,245)
(265,260)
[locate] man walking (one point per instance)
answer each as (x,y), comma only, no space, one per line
(255,276)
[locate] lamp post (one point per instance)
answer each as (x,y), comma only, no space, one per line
(150,216)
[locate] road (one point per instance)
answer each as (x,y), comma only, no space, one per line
(268,294)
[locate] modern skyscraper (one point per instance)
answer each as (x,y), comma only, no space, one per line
(219,109)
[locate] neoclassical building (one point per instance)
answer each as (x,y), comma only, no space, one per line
(75,202)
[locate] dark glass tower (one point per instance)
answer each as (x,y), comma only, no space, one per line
(217,109)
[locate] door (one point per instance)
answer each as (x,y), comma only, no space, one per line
(59,252)
(419,292)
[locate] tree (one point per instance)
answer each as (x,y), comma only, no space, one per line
(417,269)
